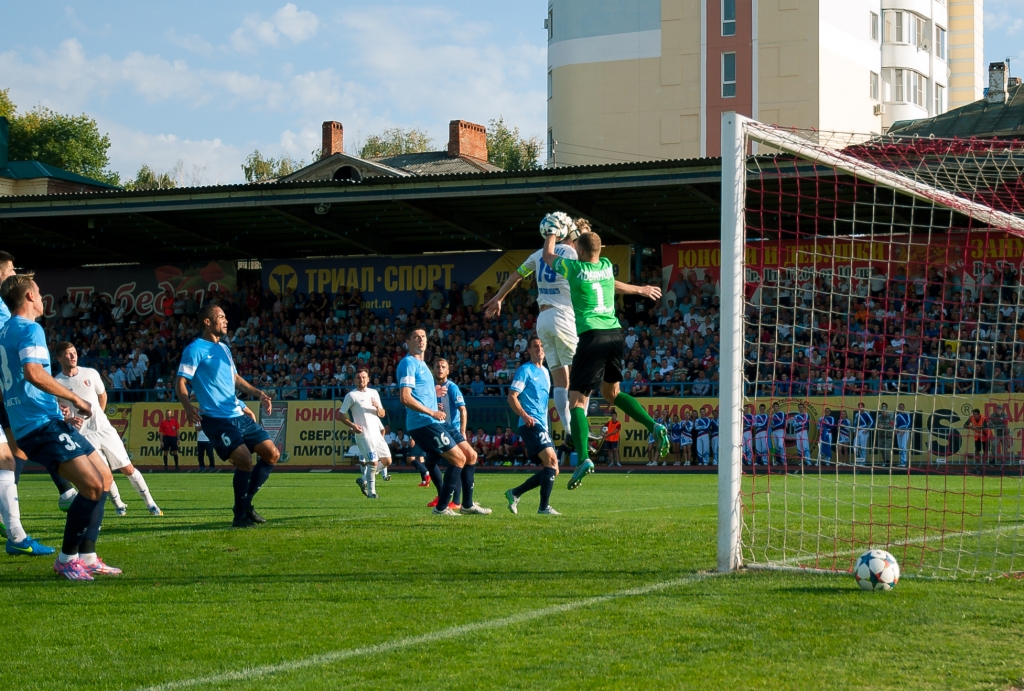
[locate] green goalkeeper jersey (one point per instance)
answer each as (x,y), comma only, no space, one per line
(592,288)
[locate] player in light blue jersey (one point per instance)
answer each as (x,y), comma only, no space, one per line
(13,458)
(424,422)
(453,405)
(30,395)
(528,398)
(230,425)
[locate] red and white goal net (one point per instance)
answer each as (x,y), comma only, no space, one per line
(881,352)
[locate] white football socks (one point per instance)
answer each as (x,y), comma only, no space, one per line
(562,406)
(115,495)
(370,477)
(10,510)
(139,483)
(88,557)
(384,471)
(65,558)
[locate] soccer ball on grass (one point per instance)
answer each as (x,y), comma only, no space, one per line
(559,222)
(877,570)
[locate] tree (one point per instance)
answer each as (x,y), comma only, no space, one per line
(71,142)
(258,169)
(149,179)
(507,149)
(395,141)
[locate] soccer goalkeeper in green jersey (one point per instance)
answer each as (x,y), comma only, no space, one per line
(598,359)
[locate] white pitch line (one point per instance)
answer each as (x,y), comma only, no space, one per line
(249,673)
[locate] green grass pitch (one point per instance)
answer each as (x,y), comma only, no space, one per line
(338,591)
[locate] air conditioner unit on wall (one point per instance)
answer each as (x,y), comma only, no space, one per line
(879,108)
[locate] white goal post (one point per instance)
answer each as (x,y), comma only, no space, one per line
(739,136)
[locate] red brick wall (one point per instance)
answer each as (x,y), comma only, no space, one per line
(333,139)
(467,139)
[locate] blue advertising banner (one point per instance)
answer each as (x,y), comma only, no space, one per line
(392,281)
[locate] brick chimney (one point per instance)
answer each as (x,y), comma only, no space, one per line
(998,80)
(467,139)
(334,139)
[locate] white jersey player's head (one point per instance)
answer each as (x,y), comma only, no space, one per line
(67,356)
(441,370)
(581,226)
(536,350)
(21,294)
(6,265)
(416,342)
(214,322)
(362,380)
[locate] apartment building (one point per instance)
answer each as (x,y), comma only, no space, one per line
(649,79)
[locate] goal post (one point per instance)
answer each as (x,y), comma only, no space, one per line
(871,351)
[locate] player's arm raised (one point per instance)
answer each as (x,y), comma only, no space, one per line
(181,391)
(492,308)
(406,398)
(37,375)
(549,248)
(248,388)
(649,292)
(517,408)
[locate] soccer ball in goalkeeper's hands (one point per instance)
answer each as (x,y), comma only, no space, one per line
(557,223)
(877,570)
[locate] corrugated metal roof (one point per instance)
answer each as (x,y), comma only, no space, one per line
(435,163)
(980,119)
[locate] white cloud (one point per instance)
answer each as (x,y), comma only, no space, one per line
(210,160)
(191,42)
(297,25)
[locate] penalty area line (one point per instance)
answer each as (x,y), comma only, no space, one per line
(261,671)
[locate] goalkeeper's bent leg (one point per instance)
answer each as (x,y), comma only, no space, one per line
(580,433)
(630,406)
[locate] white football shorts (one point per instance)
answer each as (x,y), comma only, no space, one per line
(372,446)
(556,329)
(110,446)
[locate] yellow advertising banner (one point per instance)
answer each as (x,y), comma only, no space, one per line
(144,431)
(314,434)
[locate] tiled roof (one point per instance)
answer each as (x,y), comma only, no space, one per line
(30,170)
(979,119)
(435,163)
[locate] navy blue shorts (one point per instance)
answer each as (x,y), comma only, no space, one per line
(433,440)
(56,441)
(5,421)
(536,439)
(611,445)
(455,434)
(227,434)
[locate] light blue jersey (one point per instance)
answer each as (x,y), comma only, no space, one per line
(5,314)
(449,400)
(414,374)
(211,369)
(22,342)
(533,384)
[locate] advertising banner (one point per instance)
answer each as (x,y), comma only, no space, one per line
(959,255)
(138,288)
(392,281)
(144,431)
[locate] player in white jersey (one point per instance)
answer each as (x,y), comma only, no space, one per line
(88,385)
(362,411)
(556,323)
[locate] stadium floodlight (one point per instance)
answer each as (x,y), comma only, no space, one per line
(870,287)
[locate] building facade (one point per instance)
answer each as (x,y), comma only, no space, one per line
(649,79)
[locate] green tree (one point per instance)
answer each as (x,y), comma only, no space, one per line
(149,179)
(71,142)
(258,169)
(507,149)
(395,141)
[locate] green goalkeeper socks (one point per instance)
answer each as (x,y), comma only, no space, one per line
(631,407)
(580,433)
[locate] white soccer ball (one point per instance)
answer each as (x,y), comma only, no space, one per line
(877,570)
(560,222)
(604,430)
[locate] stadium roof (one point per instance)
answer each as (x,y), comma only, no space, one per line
(29,170)
(644,203)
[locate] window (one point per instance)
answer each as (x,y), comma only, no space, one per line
(917,87)
(897,85)
(551,145)
(728,17)
(888,27)
(550,23)
(728,75)
(940,43)
(920,35)
(874,26)
(550,85)
(874,86)
(900,17)
(940,99)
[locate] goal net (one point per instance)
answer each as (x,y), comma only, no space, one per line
(873,351)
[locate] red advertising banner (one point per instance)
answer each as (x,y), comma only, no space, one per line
(976,261)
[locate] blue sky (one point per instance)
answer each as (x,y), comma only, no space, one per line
(207,82)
